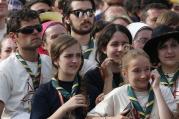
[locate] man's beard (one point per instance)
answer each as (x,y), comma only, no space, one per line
(80,31)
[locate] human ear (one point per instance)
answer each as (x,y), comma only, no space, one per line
(13,36)
(56,63)
(124,73)
(104,50)
(67,20)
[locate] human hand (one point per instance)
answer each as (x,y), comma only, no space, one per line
(99,98)
(122,115)
(75,102)
(105,68)
(155,79)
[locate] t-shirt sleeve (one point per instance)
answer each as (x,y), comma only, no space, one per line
(5,87)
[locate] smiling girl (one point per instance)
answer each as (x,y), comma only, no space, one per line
(143,99)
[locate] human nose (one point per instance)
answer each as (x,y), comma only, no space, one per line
(144,74)
(85,15)
(75,59)
(35,31)
(120,48)
(169,49)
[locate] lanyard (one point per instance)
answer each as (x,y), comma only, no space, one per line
(143,114)
(35,77)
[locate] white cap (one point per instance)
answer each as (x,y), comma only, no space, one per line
(135,27)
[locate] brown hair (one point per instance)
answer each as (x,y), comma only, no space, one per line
(169,18)
(59,45)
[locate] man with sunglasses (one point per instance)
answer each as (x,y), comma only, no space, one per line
(22,72)
(78,15)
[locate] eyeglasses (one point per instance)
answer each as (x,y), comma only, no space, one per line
(80,13)
(142,40)
(30,29)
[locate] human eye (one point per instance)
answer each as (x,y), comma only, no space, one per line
(78,13)
(163,46)
(174,44)
(89,12)
(78,55)
(136,70)
(124,43)
(68,56)
(114,44)
(147,69)
(7,50)
(54,36)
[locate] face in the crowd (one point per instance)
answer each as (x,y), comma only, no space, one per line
(70,60)
(138,73)
(168,53)
(81,23)
(3,8)
(152,15)
(141,38)
(120,21)
(28,36)
(40,7)
(116,45)
(52,33)
(114,11)
(112,2)
(175,7)
(8,47)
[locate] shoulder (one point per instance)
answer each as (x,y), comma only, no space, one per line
(45,59)
(46,87)
(93,72)
(11,65)
(93,76)
(47,70)
(120,92)
(10,61)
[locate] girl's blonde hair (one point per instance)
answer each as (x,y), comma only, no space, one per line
(132,54)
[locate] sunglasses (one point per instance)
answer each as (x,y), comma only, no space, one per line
(30,29)
(80,13)
(43,11)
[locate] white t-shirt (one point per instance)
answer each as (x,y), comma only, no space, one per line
(117,100)
(16,85)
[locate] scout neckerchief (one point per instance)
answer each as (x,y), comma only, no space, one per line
(90,48)
(35,77)
(64,92)
(164,80)
(143,114)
